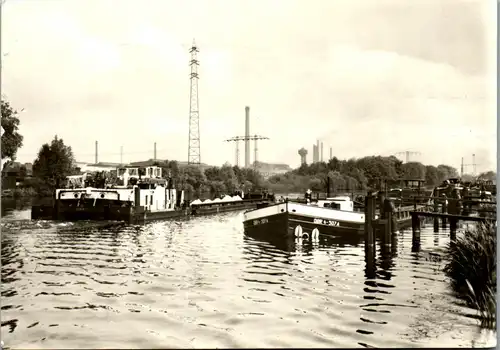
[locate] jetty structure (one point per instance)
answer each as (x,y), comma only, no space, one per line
(311,219)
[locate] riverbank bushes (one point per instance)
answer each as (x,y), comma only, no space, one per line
(358,174)
(472,270)
(212,181)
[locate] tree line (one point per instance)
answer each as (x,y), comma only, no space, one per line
(359,174)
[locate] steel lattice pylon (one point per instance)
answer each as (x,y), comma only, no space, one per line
(194,156)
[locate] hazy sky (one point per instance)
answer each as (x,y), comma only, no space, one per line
(366,76)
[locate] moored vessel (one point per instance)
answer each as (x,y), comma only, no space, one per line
(332,217)
(140,195)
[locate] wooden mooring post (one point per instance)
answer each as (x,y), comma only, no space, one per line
(369,215)
(454,208)
(436,219)
(415,227)
(389,226)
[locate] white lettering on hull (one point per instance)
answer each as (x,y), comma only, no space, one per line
(326,222)
(260,221)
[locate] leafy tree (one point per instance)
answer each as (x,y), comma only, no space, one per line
(22,171)
(53,164)
(413,170)
(431,175)
(11,139)
(488,176)
(446,172)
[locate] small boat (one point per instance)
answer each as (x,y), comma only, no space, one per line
(334,217)
(140,196)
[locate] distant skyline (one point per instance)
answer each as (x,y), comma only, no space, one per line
(366,77)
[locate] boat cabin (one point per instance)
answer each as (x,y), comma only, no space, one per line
(144,173)
(413,183)
(343,203)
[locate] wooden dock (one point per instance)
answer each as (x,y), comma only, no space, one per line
(445,210)
(431,214)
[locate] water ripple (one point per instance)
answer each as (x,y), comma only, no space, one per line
(202,283)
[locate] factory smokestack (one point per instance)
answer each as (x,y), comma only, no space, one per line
(317,150)
(96,158)
(247,135)
(321,151)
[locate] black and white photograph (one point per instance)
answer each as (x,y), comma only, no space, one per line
(248,174)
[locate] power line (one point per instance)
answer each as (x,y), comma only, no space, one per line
(100,153)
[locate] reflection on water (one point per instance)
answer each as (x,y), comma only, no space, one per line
(202,283)
(15,206)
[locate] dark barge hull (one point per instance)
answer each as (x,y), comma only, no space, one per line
(117,211)
(283,225)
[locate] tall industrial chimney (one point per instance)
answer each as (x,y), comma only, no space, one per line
(315,153)
(96,152)
(321,151)
(247,135)
(317,150)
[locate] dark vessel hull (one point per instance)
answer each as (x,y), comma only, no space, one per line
(286,220)
(106,210)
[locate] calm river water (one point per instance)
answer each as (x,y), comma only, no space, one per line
(201,283)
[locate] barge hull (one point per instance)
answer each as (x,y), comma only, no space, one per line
(129,214)
(283,225)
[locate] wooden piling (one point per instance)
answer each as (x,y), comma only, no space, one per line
(369,214)
(370,267)
(436,219)
(381,199)
(453,228)
(415,226)
(388,210)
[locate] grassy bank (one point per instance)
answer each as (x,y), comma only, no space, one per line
(472,270)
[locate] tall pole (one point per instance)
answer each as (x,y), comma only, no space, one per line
(255,153)
(96,150)
(247,137)
(154,152)
(237,160)
(194,153)
(474,164)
